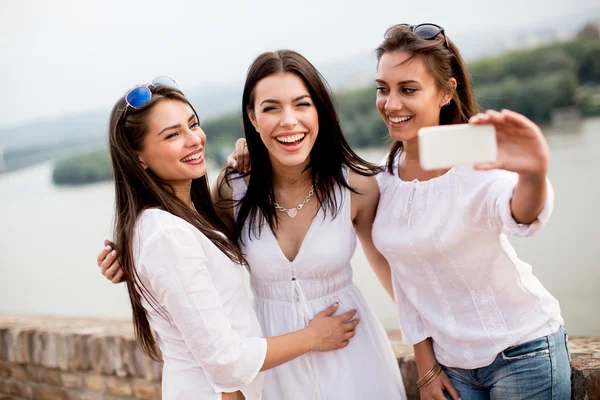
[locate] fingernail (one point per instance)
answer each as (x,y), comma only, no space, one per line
(336,304)
(114,252)
(107,248)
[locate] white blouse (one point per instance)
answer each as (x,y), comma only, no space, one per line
(456,277)
(208,333)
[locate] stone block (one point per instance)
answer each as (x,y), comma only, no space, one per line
(35,373)
(43,392)
(71,380)
(119,386)
(84,396)
(3,344)
(5,370)
(145,390)
(52,377)
(94,382)
(19,389)
(585,380)
(18,371)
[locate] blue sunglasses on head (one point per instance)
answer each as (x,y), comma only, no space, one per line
(141,95)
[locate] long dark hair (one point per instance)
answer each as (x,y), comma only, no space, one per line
(443,63)
(328,156)
(137,189)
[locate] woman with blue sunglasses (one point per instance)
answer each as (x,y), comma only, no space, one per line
(184,273)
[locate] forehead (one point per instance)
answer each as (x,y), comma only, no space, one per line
(281,86)
(168,113)
(396,66)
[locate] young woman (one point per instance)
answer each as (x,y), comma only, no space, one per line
(459,285)
(185,277)
(297,216)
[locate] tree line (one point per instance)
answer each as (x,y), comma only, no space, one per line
(533,82)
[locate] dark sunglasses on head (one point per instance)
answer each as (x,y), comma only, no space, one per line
(140,95)
(424,31)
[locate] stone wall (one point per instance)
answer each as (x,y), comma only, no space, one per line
(47,358)
(75,359)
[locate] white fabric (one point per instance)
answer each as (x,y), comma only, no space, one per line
(211,339)
(456,278)
(366,368)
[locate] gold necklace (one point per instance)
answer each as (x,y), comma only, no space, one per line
(292,212)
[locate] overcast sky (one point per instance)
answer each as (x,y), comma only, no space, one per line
(61,56)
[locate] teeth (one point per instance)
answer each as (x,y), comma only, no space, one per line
(192,158)
(399,119)
(291,139)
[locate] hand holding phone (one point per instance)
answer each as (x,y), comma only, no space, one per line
(445,146)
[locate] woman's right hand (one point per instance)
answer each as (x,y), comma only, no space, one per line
(331,332)
(109,263)
(435,390)
(239,159)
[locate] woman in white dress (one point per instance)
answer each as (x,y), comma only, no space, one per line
(185,276)
(297,216)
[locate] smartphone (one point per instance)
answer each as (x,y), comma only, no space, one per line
(445,146)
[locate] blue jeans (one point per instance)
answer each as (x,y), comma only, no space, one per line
(536,370)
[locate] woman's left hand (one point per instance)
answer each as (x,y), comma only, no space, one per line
(239,159)
(522,147)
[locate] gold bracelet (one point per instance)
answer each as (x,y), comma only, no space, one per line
(430,376)
(434,377)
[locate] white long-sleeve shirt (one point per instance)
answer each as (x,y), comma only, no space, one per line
(456,277)
(211,339)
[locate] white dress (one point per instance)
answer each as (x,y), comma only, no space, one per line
(287,295)
(208,333)
(456,277)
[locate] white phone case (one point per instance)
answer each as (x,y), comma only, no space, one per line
(445,146)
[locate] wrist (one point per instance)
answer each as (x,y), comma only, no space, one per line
(310,338)
(424,364)
(424,357)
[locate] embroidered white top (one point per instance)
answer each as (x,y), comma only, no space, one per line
(456,277)
(210,339)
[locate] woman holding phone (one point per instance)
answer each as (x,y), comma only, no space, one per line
(472,309)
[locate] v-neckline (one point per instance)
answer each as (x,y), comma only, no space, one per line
(304,239)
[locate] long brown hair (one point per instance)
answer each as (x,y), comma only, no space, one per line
(443,63)
(329,154)
(137,189)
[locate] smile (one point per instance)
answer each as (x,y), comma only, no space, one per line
(290,139)
(398,120)
(197,155)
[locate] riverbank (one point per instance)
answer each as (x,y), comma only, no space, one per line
(45,357)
